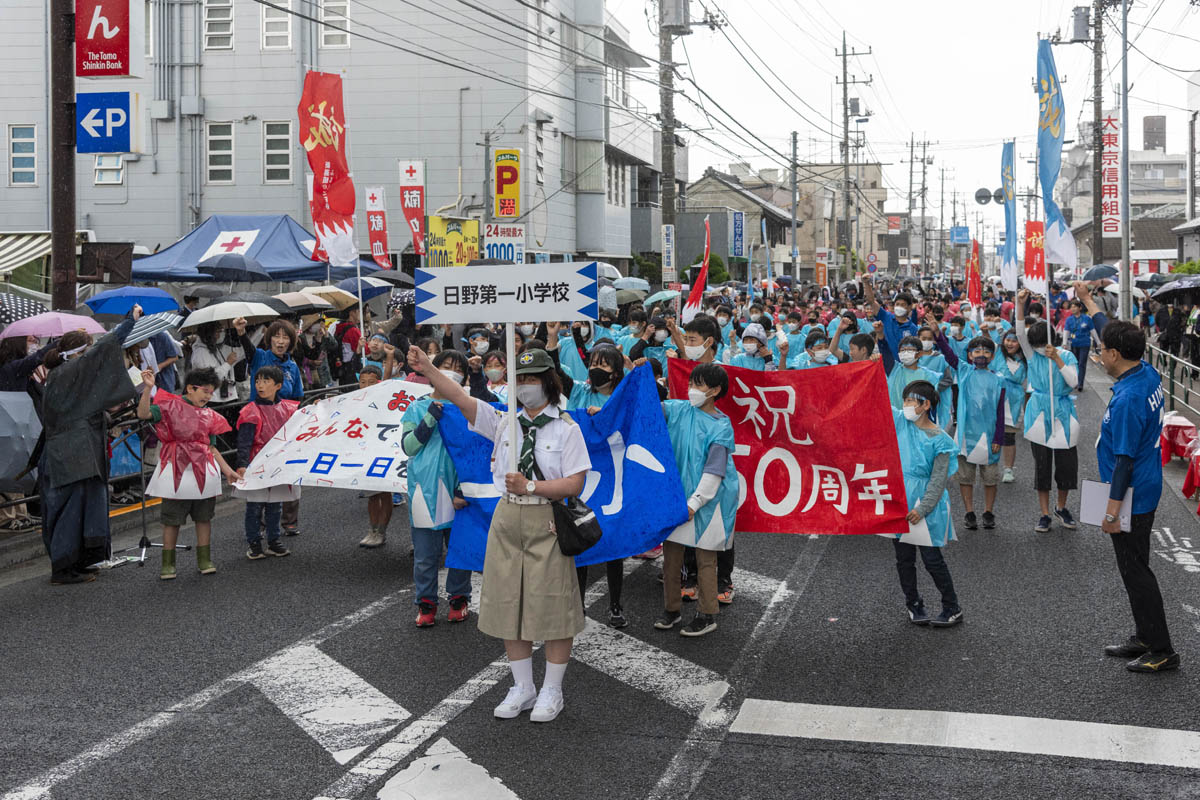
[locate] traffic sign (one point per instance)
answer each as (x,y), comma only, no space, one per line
(108,122)
(669,273)
(739,234)
(872,258)
(520,293)
(983,197)
(505,241)
(960,234)
(872,266)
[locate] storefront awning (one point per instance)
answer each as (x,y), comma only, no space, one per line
(18,249)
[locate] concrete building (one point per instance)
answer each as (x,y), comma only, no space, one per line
(723,194)
(220,96)
(1155,178)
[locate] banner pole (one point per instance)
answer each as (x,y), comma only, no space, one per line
(511,369)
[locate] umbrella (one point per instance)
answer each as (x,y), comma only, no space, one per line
(1169,292)
(1155,280)
(119,302)
(233,267)
(638,284)
(262,298)
(1114,288)
(340,298)
(629,296)
(151,324)
(1099,272)
(51,325)
(14,307)
(19,429)
(604,281)
(607,298)
(367,287)
(207,290)
(393,276)
(666,294)
(301,303)
(224,312)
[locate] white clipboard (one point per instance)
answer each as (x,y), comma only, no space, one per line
(1093,505)
(918,534)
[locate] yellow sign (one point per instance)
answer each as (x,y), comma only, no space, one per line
(506,183)
(452,242)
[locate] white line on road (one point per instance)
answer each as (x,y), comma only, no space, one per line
(444,773)
(994,732)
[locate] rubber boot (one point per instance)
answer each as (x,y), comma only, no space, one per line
(204,560)
(167,572)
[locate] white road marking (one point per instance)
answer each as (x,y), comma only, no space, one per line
(1178,550)
(337,708)
(993,732)
(41,785)
(444,773)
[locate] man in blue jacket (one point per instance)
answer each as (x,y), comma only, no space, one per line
(1079,327)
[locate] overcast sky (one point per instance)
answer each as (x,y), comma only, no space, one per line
(956,73)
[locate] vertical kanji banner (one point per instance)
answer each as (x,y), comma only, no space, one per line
(1035,257)
(377,226)
(815,449)
(412,201)
(322,132)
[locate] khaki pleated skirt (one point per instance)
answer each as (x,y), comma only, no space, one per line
(530,589)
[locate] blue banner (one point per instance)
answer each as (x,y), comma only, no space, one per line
(1052,125)
(633,485)
(739,234)
(1008,258)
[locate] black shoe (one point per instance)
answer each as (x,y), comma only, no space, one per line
(275,548)
(1065,519)
(291,531)
(68,576)
(971,524)
(1130,648)
(700,625)
(989,520)
(947,619)
(255,552)
(918,615)
(1154,662)
(668,620)
(616,617)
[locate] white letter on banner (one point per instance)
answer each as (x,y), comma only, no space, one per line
(790,500)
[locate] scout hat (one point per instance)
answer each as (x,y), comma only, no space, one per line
(532,362)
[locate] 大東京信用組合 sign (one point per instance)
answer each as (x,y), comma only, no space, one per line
(517,293)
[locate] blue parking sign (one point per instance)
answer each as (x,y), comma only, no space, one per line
(104,122)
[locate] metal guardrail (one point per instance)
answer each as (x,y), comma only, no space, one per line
(1180,379)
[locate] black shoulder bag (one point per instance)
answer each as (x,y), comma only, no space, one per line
(575,524)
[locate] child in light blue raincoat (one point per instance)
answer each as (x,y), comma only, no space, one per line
(816,352)
(702,438)
(926,457)
(432,488)
(755,353)
(1009,364)
(654,343)
(909,370)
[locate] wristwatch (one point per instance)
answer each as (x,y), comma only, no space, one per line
(529,487)
(1109,518)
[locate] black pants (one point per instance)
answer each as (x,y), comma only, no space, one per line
(1065,464)
(935,565)
(615,570)
(724,568)
(1081,355)
(1145,600)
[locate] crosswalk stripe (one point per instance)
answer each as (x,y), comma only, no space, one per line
(994,732)
(333,705)
(444,773)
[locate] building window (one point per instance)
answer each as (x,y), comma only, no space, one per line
(149,31)
(22,155)
(566,40)
(218,24)
(109,170)
(608,183)
(277,152)
(219,152)
(277,26)
(624,198)
(567,173)
(335,13)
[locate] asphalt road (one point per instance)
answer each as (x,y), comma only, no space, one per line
(304,677)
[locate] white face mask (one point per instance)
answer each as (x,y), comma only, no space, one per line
(901,312)
(480,346)
(697,397)
(494,374)
(531,395)
(911,414)
(723,320)
(955,330)
(755,317)
(585,331)
(793,327)
(1034,317)
(526,330)
(821,355)
(693,352)
(661,336)
(453,375)
(907,357)
(750,346)
(926,344)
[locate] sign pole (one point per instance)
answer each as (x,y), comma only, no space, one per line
(511,368)
(62,154)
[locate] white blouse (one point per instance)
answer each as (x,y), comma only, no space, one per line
(560,450)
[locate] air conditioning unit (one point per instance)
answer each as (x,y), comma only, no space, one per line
(677,14)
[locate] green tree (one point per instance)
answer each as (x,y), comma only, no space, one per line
(716,268)
(1187,268)
(649,269)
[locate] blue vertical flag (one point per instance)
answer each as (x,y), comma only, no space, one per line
(1052,123)
(770,280)
(1008,261)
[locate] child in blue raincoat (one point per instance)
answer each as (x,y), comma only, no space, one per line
(1009,364)
(980,430)
(926,457)
(702,438)
(909,370)
(433,499)
(755,353)
(1051,423)
(654,343)
(816,352)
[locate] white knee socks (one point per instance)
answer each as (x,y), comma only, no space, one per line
(522,672)
(554,676)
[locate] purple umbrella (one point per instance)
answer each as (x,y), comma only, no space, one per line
(51,325)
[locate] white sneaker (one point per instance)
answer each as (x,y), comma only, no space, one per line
(518,699)
(549,705)
(374,538)
(1009,476)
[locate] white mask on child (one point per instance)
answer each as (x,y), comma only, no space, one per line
(907,357)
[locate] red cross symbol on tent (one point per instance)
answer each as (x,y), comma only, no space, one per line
(233,244)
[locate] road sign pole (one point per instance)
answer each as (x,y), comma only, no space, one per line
(62,154)
(511,368)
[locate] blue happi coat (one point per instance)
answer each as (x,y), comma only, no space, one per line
(1012,371)
(978,398)
(917,453)
(432,478)
(1050,417)
(692,433)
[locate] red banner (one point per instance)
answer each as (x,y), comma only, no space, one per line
(377,226)
(323,134)
(974,280)
(815,449)
(1035,257)
(412,201)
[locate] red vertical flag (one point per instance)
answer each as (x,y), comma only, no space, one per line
(412,201)
(974,280)
(323,134)
(377,226)
(696,296)
(1035,257)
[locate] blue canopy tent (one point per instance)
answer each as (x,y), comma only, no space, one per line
(276,241)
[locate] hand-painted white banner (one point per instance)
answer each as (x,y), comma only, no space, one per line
(351,441)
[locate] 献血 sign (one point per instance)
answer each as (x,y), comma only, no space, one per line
(504,241)
(518,293)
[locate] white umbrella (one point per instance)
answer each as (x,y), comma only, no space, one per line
(339,298)
(1115,288)
(225,312)
(151,324)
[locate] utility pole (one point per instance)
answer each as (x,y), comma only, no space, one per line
(62,153)
(1098,128)
(1191,166)
(487,177)
(846,81)
(942,217)
(795,201)
(666,99)
(912,144)
(1126,299)
(924,238)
